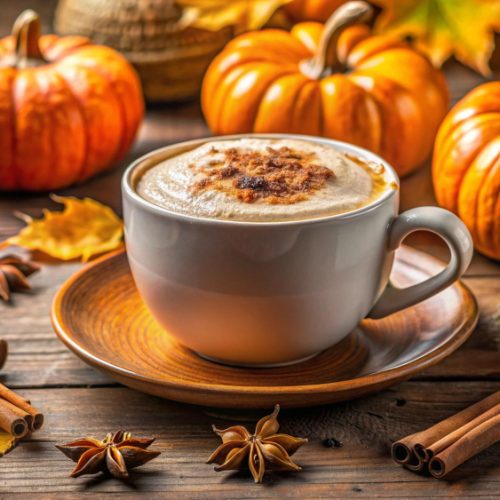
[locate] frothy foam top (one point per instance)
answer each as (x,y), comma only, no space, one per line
(262,180)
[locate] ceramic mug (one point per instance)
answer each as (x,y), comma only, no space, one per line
(272,293)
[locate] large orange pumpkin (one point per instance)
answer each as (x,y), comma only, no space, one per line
(312,10)
(466,165)
(388,98)
(68,109)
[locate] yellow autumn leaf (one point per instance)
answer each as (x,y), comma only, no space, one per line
(84,228)
(214,15)
(442,28)
(7,442)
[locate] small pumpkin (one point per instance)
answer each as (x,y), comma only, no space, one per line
(68,109)
(336,81)
(312,10)
(466,165)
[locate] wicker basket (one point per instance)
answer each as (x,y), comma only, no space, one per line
(170,61)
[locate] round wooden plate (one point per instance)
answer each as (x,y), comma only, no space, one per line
(100,316)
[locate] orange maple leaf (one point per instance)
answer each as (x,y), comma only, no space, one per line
(442,28)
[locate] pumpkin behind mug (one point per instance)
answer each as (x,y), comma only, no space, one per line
(336,81)
(68,109)
(466,165)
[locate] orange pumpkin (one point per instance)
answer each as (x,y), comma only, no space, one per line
(68,109)
(389,99)
(312,10)
(466,165)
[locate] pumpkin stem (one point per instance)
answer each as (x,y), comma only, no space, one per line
(26,33)
(326,58)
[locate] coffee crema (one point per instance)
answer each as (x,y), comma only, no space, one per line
(262,180)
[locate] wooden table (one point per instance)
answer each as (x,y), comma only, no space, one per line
(78,400)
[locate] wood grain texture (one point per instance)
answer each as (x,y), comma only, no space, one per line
(100,315)
(361,468)
(79,400)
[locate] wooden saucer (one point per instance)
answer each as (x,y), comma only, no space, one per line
(100,316)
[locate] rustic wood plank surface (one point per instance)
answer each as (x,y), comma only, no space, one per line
(361,467)
(78,400)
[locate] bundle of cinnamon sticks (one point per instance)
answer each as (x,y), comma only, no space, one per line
(451,442)
(17,416)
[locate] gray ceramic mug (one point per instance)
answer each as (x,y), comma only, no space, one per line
(271,293)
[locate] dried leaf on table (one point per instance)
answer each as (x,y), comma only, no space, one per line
(84,228)
(7,442)
(214,15)
(442,28)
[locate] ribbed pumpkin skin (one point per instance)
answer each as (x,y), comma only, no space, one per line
(390,100)
(67,120)
(466,165)
(312,10)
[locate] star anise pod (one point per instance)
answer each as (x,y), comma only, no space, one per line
(264,448)
(13,274)
(116,453)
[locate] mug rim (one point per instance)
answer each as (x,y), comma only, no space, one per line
(129,191)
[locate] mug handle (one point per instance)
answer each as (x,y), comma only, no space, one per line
(452,230)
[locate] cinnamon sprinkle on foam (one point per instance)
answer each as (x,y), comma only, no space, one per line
(275,176)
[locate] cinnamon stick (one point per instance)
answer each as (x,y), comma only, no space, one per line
(419,443)
(415,464)
(479,438)
(13,420)
(402,450)
(36,417)
(3,352)
(454,436)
